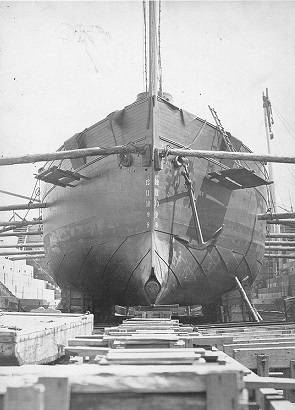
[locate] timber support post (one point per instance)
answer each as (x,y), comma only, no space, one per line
(263,365)
(253,311)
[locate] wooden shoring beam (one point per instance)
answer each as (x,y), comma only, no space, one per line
(25,257)
(5,234)
(19,196)
(246,300)
(25,245)
(69,154)
(280,243)
(278,255)
(280,248)
(23,206)
(267,216)
(97,151)
(281,235)
(246,156)
(20,223)
(36,252)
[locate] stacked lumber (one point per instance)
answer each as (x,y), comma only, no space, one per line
(153,363)
(252,345)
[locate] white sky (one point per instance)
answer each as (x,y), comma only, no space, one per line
(66,65)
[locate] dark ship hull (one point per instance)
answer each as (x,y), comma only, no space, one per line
(126,234)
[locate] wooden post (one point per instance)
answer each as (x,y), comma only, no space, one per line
(57,393)
(223,391)
(24,398)
(290,394)
(262,365)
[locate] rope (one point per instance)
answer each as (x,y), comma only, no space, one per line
(145,46)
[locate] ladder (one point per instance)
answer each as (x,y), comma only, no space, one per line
(223,133)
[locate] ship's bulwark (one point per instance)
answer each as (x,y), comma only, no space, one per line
(127,236)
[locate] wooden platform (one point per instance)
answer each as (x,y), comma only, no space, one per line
(150,364)
(31,338)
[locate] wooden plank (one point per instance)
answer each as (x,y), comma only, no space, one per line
(149,337)
(259,332)
(84,351)
(252,381)
(265,339)
(87,342)
(152,357)
(24,398)
(228,349)
(281,405)
(279,357)
(228,327)
(57,393)
(217,341)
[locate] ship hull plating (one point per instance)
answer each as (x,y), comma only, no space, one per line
(126,235)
